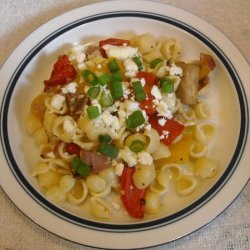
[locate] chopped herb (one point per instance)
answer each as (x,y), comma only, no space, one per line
(138,62)
(105,100)
(108,150)
(80,167)
(139,92)
(104,138)
(137,146)
(90,77)
(104,79)
(167,85)
(116,90)
(93,91)
(113,66)
(155,62)
(135,119)
(93,112)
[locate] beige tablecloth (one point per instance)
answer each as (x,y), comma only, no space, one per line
(230,230)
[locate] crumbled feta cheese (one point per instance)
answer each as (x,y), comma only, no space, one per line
(130,67)
(69,88)
(50,155)
(122,114)
(145,115)
(108,123)
(120,52)
(143,82)
(165,133)
(163,110)
(126,93)
(162,137)
(80,57)
(99,66)
(68,126)
(162,121)
(57,102)
(126,90)
(145,158)
(77,49)
(128,156)
(131,106)
(155,91)
(155,102)
(174,70)
(148,127)
(81,66)
(119,168)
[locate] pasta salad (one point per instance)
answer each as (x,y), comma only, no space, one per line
(127,118)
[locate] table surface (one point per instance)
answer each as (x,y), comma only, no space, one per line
(231,229)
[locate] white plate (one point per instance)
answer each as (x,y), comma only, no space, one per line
(21,78)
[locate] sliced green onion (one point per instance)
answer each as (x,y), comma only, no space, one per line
(137,146)
(135,119)
(93,112)
(116,90)
(93,91)
(108,150)
(104,79)
(105,100)
(155,62)
(117,76)
(167,85)
(90,77)
(139,92)
(113,66)
(80,167)
(104,138)
(138,62)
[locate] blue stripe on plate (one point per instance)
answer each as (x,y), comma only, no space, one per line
(136,226)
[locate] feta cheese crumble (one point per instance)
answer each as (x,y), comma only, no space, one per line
(68,126)
(155,91)
(69,88)
(145,158)
(162,121)
(163,110)
(120,52)
(130,67)
(119,168)
(57,102)
(128,156)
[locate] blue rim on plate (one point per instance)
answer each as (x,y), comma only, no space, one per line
(13,165)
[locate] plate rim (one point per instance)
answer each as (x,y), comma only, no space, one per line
(106,4)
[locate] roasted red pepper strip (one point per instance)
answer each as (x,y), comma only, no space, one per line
(63,72)
(150,80)
(112,41)
(173,127)
(72,148)
(133,198)
(148,105)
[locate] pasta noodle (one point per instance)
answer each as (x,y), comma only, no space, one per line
(204,132)
(205,168)
(56,194)
(78,193)
(171,49)
(186,185)
(154,140)
(143,176)
(153,205)
(117,127)
(100,208)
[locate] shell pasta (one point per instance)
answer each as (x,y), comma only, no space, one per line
(123,125)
